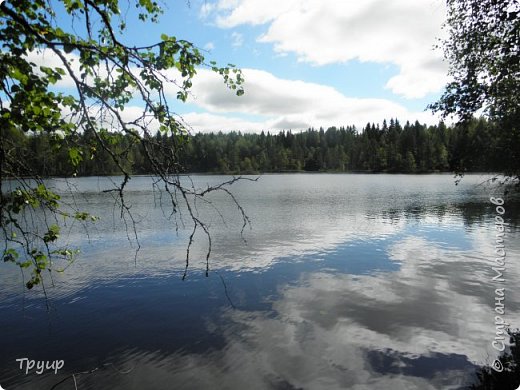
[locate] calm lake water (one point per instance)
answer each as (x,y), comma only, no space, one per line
(344,282)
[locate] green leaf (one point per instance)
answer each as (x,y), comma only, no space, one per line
(75,156)
(25,264)
(52,234)
(10,255)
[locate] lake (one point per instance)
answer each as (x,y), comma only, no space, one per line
(343,281)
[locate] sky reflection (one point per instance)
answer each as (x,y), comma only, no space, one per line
(362,294)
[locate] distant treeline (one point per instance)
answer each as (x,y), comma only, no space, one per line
(390,147)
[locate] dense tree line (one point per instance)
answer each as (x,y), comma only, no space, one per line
(390,147)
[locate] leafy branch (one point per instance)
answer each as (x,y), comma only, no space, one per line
(105,75)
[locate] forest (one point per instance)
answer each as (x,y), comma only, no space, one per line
(389,147)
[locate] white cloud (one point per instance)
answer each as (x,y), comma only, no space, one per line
(236,12)
(273,102)
(237,39)
(418,79)
(206,9)
(209,46)
(206,122)
(322,32)
(287,104)
(48,58)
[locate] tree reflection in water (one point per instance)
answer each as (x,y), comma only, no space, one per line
(507,379)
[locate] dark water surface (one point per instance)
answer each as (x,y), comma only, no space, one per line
(345,282)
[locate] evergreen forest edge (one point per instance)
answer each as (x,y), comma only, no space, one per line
(390,147)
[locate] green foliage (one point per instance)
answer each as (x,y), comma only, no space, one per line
(411,148)
(482,49)
(44,131)
(391,148)
(52,234)
(32,247)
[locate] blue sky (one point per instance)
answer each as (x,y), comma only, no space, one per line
(307,62)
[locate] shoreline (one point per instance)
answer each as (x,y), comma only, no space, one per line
(268,173)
